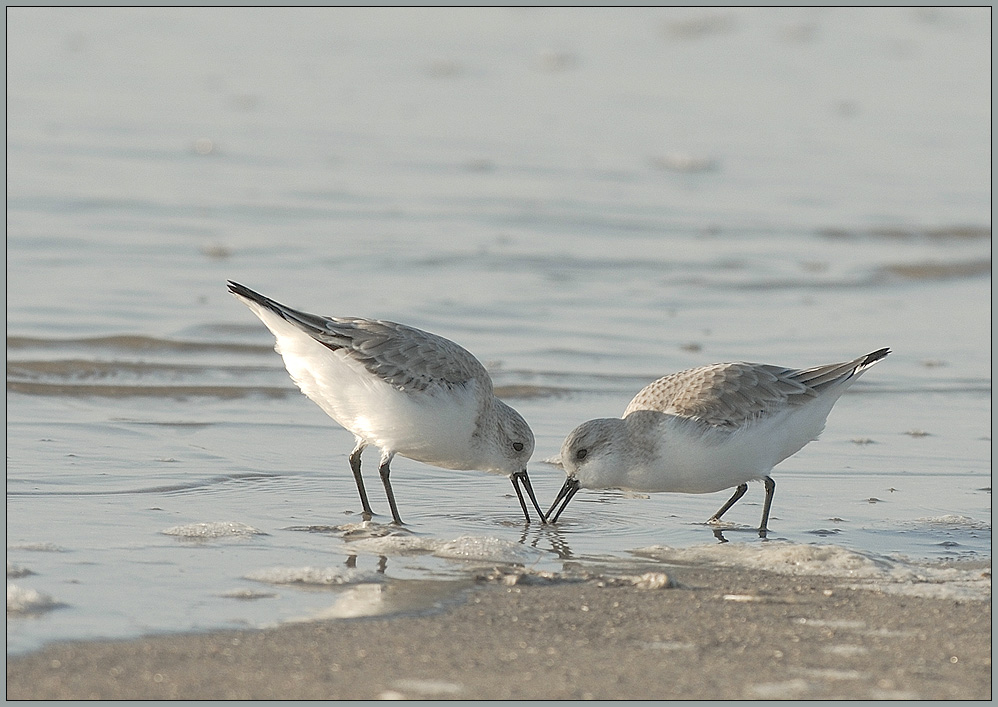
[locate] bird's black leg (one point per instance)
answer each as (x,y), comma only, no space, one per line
(770,490)
(385,470)
(355,467)
(739,492)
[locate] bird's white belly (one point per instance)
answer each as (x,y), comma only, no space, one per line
(705,471)
(433,427)
(722,459)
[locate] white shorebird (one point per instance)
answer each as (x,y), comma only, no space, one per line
(402,390)
(707,429)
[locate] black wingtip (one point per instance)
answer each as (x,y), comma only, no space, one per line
(877,355)
(872,358)
(237,289)
(243,291)
(246,293)
(311,324)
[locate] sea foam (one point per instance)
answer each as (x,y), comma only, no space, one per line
(861,570)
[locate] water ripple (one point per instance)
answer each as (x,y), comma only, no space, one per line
(165,488)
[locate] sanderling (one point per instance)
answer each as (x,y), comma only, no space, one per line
(707,429)
(402,390)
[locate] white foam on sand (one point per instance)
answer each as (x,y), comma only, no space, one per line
(483,549)
(396,545)
(953,522)
(309,576)
(213,530)
(370,529)
(246,594)
(861,570)
(487,549)
(22,601)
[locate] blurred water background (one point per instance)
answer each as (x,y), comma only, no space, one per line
(586,199)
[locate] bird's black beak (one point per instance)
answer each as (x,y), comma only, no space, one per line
(570,488)
(521,477)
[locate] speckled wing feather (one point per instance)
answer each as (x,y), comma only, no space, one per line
(408,358)
(405,357)
(730,394)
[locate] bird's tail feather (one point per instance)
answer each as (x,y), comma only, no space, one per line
(821,377)
(313,325)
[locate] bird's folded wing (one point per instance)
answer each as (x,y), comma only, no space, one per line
(725,394)
(405,357)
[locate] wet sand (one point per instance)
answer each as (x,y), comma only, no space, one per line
(717,633)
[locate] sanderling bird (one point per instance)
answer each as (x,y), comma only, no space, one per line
(402,390)
(707,429)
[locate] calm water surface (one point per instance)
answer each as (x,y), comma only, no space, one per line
(587,200)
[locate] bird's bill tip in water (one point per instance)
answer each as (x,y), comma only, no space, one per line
(518,477)
(569,490)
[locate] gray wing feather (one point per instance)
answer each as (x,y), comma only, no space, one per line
(406,357)
(730,394)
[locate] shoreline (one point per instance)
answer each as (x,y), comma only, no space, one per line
(705,632)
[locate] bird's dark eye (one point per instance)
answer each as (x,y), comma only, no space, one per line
(581,454)
(518,446)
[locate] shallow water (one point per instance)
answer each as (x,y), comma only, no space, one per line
(586,200)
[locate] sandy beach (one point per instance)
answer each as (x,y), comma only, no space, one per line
(698,633)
